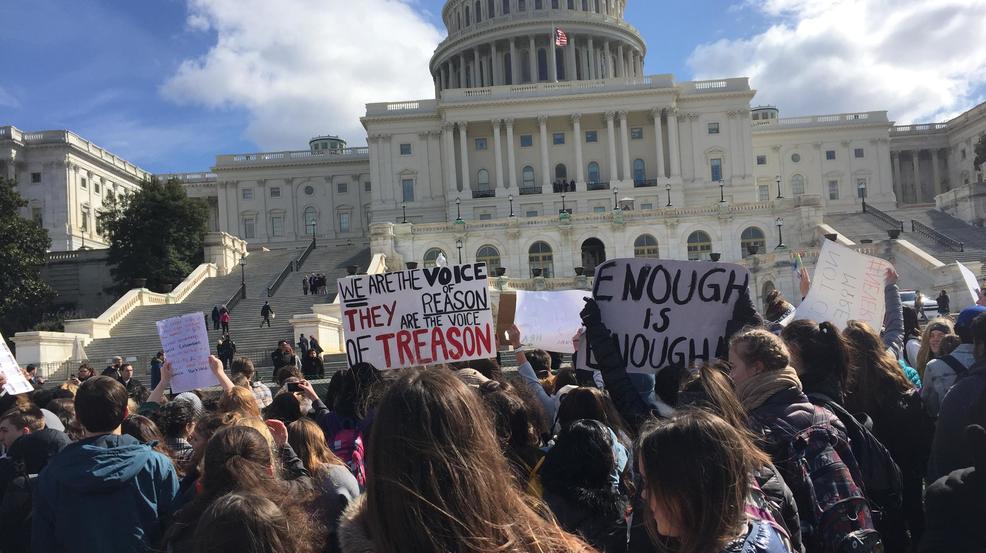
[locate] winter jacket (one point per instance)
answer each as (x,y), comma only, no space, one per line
(282,359)
(105,493)
(960,408)
(581,514)
(135,390)
(312,367)
(29,454)
(939,377)
(761,538)
(336,488)
(783,507)
(155,372)
(893,321)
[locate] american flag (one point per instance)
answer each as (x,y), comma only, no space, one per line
(561,39)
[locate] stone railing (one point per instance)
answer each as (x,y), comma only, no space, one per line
(298,155)
(738,84)
(910,130)
(189,178)
(68,137)
(402,108)
(559,16)
(554,89)
(867,117)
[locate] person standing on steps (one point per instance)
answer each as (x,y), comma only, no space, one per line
(304,285)
(267,312)
(313,344)
(943,304)
(303,346)
(226,350)
(215,317)
(919,305)
(224,320)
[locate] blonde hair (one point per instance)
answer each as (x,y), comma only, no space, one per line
(924,354)
(239,400)
(70,387)
(757,344)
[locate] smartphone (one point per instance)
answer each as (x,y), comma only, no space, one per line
(294,387)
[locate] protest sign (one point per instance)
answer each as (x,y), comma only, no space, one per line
(847,286)
(185,342)
(665,313)
(548,320)
(16,382)
(970,281)
(417,317)
(504,313)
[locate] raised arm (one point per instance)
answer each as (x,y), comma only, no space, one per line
(893,320)
(526,372)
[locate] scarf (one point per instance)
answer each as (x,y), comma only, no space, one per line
(753,392)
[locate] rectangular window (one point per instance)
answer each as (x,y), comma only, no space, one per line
(407,186)
(830,155)
(599,209)
(85,220)
(480,144)
(591,136)
(532,213)
(558,138)
(858,152)
(485,216)
(713,128)
(636,133)
(343,222)
(275,191)
(247,193)
(526,140)
(35,178)
(95,187)
(84,183)
(646,207)
(342,187)
(277,225)
(366,187)
(763,193)
(405,149)
(716,165)
(249,228)
(36,216)
(963,153)
(762,160)
(833,190)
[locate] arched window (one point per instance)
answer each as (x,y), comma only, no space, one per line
(479,11)
(645,246)
(561,172)
(639,170)
(431,256)
(311,221)
(525,68)
(489,255)
(699,246)
(539,256)
(752,240)
(483,179)
(542,64)
(467,16)
(593,172)
(527,177)
(797,185)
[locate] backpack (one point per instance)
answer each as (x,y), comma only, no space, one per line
(345,439)
(956,366)
(818,465)
(882,481)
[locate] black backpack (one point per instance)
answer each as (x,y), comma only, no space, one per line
(956,366)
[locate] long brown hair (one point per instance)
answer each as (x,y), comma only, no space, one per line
(877,378)
(703,484)
(925,354)
(594,404)
(239,400)
(308,442)
(436,476)
(244,523)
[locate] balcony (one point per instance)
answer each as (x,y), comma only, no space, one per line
(529,190)
(645,183)
(476,194)
(597,185)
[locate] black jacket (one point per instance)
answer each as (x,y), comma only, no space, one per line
(312,367)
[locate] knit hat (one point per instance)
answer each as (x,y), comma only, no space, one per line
(193,400)
(955,505)
(968,315)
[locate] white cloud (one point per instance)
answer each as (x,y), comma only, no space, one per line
(919,60)
(306,67)
(8,100)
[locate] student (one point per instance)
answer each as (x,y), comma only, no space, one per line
(426,425)
(106,492)
(942,373)
(176,420)
(266,313)
(697,495)
(912,336)
(930,345)
(244,522)
(517,431)
(311,365)
(944,307)
(243,366)
(224,320)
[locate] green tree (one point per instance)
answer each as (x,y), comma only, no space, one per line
(155,233)
(23,245)
(980,154)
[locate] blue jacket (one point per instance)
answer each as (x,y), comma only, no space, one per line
(105,493)
(762,538)
(960,408)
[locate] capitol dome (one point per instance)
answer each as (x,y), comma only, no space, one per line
(509,42)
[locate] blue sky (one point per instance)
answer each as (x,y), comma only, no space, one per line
(168,84)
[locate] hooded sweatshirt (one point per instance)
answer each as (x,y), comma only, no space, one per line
(105,493)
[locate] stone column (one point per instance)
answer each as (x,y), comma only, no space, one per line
(533,59)
(916,168)
(625,135)
(514,65)
(734,156)
(495,65)
(464,157)
(607,61)
(511,158)
(659,141)
(934,169)
(448,152)
(477,74)
(898,185)
(614,175)
(545,162)
(593,73)
(552,58)
(571,65)
(498,156)
(674,152)
(462,70)
(621,68)
(579,169)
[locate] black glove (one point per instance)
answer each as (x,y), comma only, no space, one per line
(590,313)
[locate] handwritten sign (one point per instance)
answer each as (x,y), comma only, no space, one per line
(417,317)
(971,282)
(185,342)
(548,320)
(665,313)
(16,383)
(847,286)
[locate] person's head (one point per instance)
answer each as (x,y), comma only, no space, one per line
(978,332)
(244,522)
(142,428)
(117,361)
(101,405)
(176,419)
(775,306)
(312,354)
(354,390)
(931,339)
(207,425)
(308,442)
(243,365)
(911,326)
(711,389)
(286,372)
(696,495)
(160,355)
(944,293)
(286,408)
(579,468)
(22,419)
(32,371)
(876,377)
(66,390)
(486,367)
(85,372)
(818,352)
(963,324)
(426,426)
(127,371)
(282,345)
(515,427)
(239,400)
(540,361)
(948,344)
(756,351)
(302,337)
(64,409)
(565,377)
(588,403)
(237,458)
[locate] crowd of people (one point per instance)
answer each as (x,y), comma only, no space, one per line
(804,438)
(314,284)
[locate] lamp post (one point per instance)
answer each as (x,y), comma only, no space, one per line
(780,234)
(312,232)
(615,192)
(404,212)
(511,198)
(563,202)
(458,245)
(668,188)
(862,194)
(243,278)
(779,196)
(722,197)
(458,210)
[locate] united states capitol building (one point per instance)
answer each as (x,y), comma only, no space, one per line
(543,159)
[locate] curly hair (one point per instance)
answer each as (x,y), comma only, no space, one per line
(757,344)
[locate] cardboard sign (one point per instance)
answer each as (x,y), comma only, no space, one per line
(16,383)
(548,320)
(417,317)
(970,282)
(847,286)
(185,342)
(505,312)
(665,313)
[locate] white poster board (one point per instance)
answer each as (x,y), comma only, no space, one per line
(665,313)
(185,342)
(418,317)
(16,382)
(970,282)
(847,286)
(548,320)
